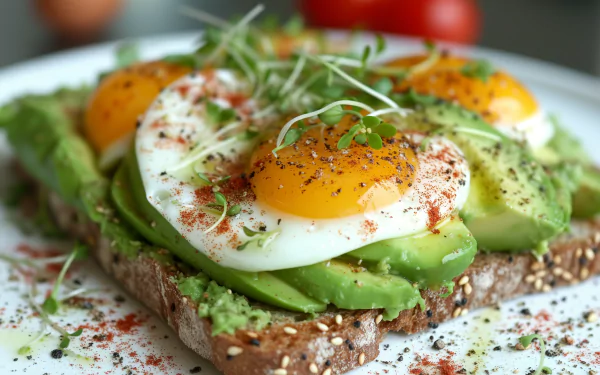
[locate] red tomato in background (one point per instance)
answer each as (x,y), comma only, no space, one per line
(343,14)
(450,20)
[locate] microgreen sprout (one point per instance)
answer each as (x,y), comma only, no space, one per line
(217,114)
(369,129)
(214,182)
(458,129)
(262,238)
(127,54)
(526,341)
(221,203)
(52,302)
(480,69)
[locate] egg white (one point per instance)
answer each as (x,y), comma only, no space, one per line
(536,130)
(295,241)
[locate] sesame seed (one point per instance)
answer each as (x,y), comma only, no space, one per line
(589,254)
(536,266)
(280,371)
(538,284)
(546,288)
(290,330)
(184,300)
(338,319)
(529,279)
(557,259)
(597,237)
(520,346)
(463,280)
(568,276)
(557,271)
(541,273)
(229,291)
(285,361)
(361,359)
(468,289)
(322,327)
(578,252)
(252,334)
(591,317)
(313,368)
(378,319)
(234,350)
(337,341)
(456,312)
(464,312)
(327,372)
(584,273)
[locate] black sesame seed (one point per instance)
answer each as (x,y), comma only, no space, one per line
(56,354)
(525,311)
(400,358)
(229,357)
(583,261)
(116,355)
(510,259)
(497,348)
(195,370)
(119,298)
(356,324)
(328,363)
(429,313)
(255,342)
(173,307)
(163,173)
(433,325)
(303,357)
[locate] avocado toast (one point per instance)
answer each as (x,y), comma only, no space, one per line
(222,325)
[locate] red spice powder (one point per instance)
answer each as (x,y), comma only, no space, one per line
(128,323)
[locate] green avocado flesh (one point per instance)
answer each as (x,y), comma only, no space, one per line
(348,285)
(513,204)
(429,259)
(130,198)
(586,199)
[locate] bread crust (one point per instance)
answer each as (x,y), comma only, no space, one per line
(491,279)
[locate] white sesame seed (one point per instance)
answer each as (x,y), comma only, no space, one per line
(361,359)
(184,300)
(252,334)
(464,312)
(557,259)
(546,288)
(536,266)
(578,252)
(280,371)
(568,276)
(229,291)
(584,273)
(456,312)
(234,350)
(557,271)
(281,186)
(541,273)
(322,327)
(285,361)
(538,284)
(591,317)
(337,341)
(313,368)
(338,319)
(378,319)
(589,254)
(597,237)
(327,372)
(468,289)
(359,262)
(463,280)
(529,279)
(290,330)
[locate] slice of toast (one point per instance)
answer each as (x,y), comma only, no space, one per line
(347,339)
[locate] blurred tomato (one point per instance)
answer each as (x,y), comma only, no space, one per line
(450,20)
(342,14)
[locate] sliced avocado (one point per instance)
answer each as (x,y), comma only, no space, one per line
(586,200)
(129,196)
(349,286)
(428,259)
(512,203)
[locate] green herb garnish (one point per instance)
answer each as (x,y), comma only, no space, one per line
(480,69)
(188,60)
(127,54)
(369,129)
(52,302)
(262,238)
(526,341)
(217,114)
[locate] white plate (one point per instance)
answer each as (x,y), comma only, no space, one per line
(150,347)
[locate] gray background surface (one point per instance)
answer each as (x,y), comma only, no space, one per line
(566,32)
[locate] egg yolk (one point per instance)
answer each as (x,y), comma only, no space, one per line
(501,99)
(114,108)
(313,179)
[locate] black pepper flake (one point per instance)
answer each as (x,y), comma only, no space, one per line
(327,363)
(163,173)
(356,324)
(303,357)
(195,370)
(433,325)
(229,357)
(116,355)
(29,357)
(56,354)
(162,135)
(400,359)
(510,259)
(278,221)
(262,228)
(551,353)
(497,348)
(119,298)
(429,313)
(255,342)
(526,311)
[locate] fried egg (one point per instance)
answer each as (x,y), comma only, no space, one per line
(311,203)
(501,100)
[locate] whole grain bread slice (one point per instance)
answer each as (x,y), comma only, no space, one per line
(344,339)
